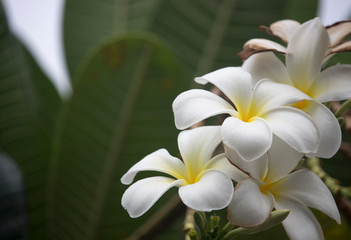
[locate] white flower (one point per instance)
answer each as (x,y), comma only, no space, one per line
(256,113)
(306,51)
(204,181)
(284,29)
(272,185)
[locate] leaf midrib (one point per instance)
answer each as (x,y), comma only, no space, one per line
(216,34)
(120,131)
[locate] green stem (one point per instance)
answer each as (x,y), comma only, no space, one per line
(160,221)
(346,105)
(333,184)
(189,226)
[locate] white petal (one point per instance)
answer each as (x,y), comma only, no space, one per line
(334,84)
(195,105)
(213,191)
(343,47)
(221,163)
(257,168)
(260,45)
(307,187)
(284,29)
(282,160)
(268,94)
(249,139)
(266,65)
(159,160)
(338,31)
(143,194)
(234,82)
(305,53)
(300,224)
(294,127)
(249,207)
(197,145)
(328,127)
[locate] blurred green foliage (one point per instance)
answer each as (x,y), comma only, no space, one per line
(128,60)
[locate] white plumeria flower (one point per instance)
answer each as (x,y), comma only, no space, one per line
(256,113)
(305,53)
(284,29)
(204,181)
(272,184)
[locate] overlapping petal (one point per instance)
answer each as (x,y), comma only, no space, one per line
(279,161)
(300,224)
(221,163)
(268,95)
(159,160)
(197,145)
(143,194)
(338,31)
(294,127)
(282,159)
(343,47)
(260,45)
(249,139)
(266,65)
(249,207)
(328,128)
(305,53)
(256,169)
(195,105)
(308,188)
(213,191)
(283,29)
(334,84)
(234,82)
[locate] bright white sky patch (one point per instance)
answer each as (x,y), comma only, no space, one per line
(332,11)
(38,23)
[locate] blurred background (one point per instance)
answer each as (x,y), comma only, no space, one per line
(38,23)
(86,88)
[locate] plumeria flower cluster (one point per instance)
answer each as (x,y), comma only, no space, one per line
(274,116)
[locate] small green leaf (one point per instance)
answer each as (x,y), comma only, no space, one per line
(200,223)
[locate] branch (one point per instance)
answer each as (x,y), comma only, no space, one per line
(332,183)
(345,149)
(160,221)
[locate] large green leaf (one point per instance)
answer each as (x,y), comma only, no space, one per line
(25,125)
(120,111)
(45,95)
(204,34)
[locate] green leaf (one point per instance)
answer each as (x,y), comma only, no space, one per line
(25,125)
(47,99)
(204,34)
(120,111)
(301,10)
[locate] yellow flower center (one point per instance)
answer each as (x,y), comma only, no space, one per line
(264,188)
(247,116)
(192,178)
(194,172)
(301,105)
